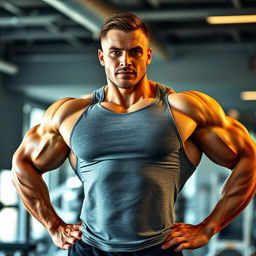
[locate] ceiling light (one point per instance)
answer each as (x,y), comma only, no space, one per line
(248,95)
(231,19)
(8,68)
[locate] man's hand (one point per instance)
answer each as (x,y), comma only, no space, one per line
(65,235)
(187,236)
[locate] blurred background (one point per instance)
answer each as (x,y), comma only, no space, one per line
(48,50)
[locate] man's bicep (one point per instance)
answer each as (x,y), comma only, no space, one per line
(223,145)
(45,150)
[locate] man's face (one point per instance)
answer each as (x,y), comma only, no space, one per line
(125,56)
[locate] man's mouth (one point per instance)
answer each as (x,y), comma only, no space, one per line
(126,72)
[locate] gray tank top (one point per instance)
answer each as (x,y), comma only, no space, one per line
(132,166)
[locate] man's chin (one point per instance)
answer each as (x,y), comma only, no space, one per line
(125,85)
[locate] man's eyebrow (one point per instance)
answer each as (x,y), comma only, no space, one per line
(137,47)
(114,48)
(120,49)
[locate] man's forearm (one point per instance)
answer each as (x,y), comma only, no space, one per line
(34,194)
(239,189)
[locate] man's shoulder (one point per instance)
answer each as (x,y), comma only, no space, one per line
(65,107)
(189,95)
(199,106)
(188,98)
(70,104)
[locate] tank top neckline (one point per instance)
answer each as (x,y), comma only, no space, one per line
(98,104)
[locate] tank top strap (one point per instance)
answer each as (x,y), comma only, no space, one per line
(98,95)
(163,91)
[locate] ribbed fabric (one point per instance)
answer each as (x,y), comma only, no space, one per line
(130,165)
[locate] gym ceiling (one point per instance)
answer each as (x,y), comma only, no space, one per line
(50,46)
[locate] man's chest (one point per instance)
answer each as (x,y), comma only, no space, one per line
(146,133)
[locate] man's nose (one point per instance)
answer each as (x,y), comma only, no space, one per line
(125,60)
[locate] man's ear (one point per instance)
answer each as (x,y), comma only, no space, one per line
(101,57)
(149,56)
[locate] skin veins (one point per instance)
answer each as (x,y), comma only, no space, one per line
(125,57)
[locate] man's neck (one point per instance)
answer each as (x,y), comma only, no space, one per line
(127,97)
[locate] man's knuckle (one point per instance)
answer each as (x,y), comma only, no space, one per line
(175,240)
(191,243)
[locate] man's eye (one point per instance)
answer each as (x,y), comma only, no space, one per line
(136,52)
(115,53)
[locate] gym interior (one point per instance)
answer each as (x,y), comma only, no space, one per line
(48,50)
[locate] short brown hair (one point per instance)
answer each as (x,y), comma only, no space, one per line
(123,21)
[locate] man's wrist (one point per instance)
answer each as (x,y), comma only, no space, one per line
(210,228)
(53,225)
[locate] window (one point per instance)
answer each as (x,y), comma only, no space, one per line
(8,208)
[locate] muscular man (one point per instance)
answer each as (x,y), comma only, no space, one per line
(133,144)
